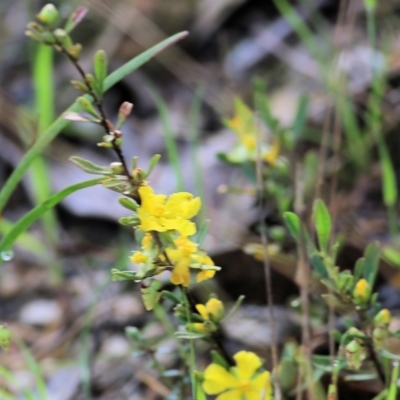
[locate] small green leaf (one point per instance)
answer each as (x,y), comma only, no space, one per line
(293,223)
(150,289)
(389,185)
(90,167)
(358,269)
(323,224)
(200,395)
(153,162)
(202,232)
(190,335)
(130,204)
(100,66)
(371,263)
(319,267)
(28,219)
(391,255)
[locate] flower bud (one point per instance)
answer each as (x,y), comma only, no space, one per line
(383,318)
(355,354)
(116,168)
(379,335)
(215,309)
(196,327)
(5,337)
(48,14)
(362,293)
(75,51)
(138,175)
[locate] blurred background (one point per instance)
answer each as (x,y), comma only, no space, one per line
(71,329)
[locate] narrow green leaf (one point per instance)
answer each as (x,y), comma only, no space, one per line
(371,263)
(389,184)
(90,167)
(300,119)
(323,224)
(202,232)
(25,240)
(130,204)
(28,219)
(100,66)
(293,223)
(153,162)
(319,267)
(61,123)
(358,269)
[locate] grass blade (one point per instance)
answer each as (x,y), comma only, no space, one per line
(28,219)
(60,123)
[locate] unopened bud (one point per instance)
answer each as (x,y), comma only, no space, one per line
(196,327)
(215,309)
(138,175)
(117,168)
(362,292)
(379,335)
(75,51)
(48,14)
(355,354)
(383,318)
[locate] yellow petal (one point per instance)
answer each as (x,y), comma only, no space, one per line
(273,153)
(262,381)
(181,274)
(247,364)
(201,308)
(254,395)
(217,379)
(231,395)
(192,208)
(204,275)
(215,308)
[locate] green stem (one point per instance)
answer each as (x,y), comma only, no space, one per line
(393,381)
(192,356)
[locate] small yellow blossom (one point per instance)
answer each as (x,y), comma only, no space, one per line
(181,257)
(245,125)
(147,241)
(383,318)
(139,258)
(362,292)
(212,310)
(240,382)
(161,214)
(187,255)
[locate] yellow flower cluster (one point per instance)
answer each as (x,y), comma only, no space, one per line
(157,213)
(244,381)
(211,312)
(245,126)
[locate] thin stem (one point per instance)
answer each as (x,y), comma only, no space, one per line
(267,269)
(192,356)
(99,105)
(370,346)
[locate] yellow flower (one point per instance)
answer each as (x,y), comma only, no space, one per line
(181,257)
(157,213)
(139,258)
(199,260)
(362,292)
(212,310)
(184,256)
(240,382)
(245,125)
